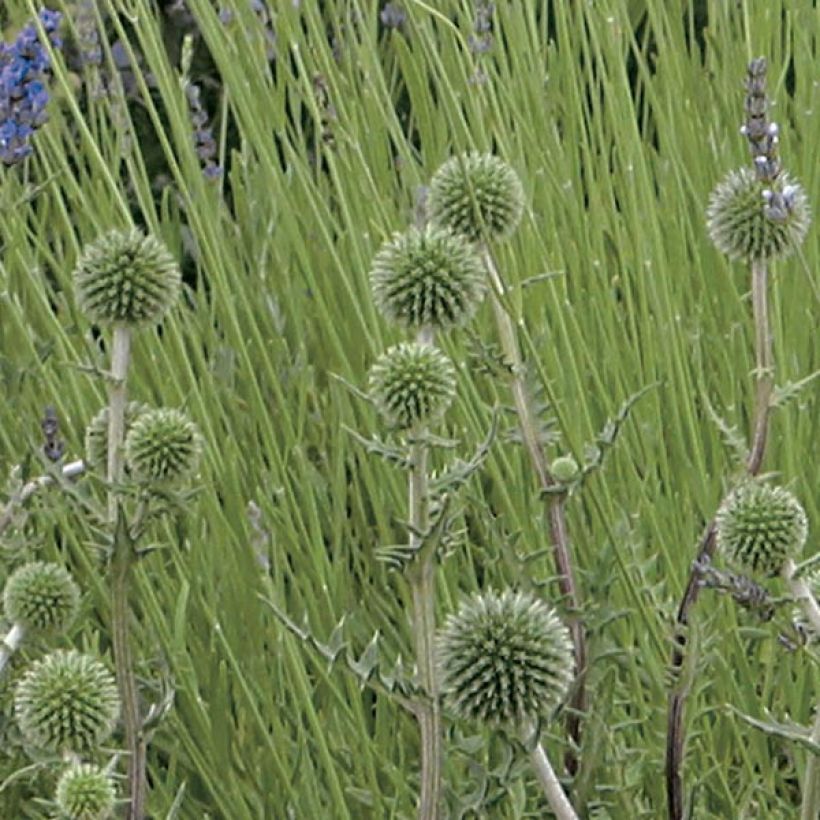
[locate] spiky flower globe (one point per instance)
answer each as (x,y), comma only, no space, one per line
(162,446)
(478,196)
(412,384)
(760,526)
(427,278)
(85,792)
(126,278)
(742,226)
(96,433)
(66,702)
(41,597)
(564,468)
(504,658)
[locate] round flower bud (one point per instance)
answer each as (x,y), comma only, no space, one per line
(162,446)
(564,468)
(66,702)
(126,277)
(41,597)
(85,792)
(96,434)
(760,526)
(428,277)
(742,225)
(504,658)
(478,196)
(412,384)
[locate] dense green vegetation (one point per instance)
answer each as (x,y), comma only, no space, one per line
(619,117)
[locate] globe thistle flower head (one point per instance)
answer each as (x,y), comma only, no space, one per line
(748,219)
(564,468)
(427,278)
(96,433)
(504,658)
(126,278)
(66,702)
(41,597)
(85,792)
(163,446)
(759,527)
(478,196)
(412,384)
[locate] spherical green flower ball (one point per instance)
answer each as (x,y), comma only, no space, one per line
(760,526)
(504,658)
(127,278)
(41,597)
(162,446)
(427,278)
(564,468)
(66,702)
(412,384)
(737,219)
(478,196)
(85,792)
(96,434)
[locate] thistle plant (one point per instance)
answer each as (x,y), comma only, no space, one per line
(126,280)
(425,280)
(756,215)
(507,660)
(39,597)
(480,197)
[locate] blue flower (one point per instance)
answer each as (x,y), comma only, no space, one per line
(25,69)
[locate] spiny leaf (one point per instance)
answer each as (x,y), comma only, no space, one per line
(394,455)
(785,393)
(734,440)
(788,731)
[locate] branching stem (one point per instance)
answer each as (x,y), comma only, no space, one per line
(556,796)
(559,535)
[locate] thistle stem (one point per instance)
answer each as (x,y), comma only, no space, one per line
(764,377)
(423,585)
(122,561)
(556,796)
(559,535)
(10,644)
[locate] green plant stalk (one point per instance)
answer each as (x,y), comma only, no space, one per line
(122,560)
(559,535)
(423,585)
(764,376)
(555,794)
(810,807)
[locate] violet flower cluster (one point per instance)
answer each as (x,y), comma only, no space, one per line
(203,134)
(25,70)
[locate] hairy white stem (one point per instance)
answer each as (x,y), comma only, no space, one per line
(554,791)
(10,644)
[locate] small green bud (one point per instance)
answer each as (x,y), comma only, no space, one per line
(41,597)
(66,702)
(85,792)
(412,384)
(478,196)
(96,434)
(504,658)
(126,277)
(162,446)
(760,526)
(744,227)
(564,469)
(428,277)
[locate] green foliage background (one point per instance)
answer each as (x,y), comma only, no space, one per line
(620,117)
